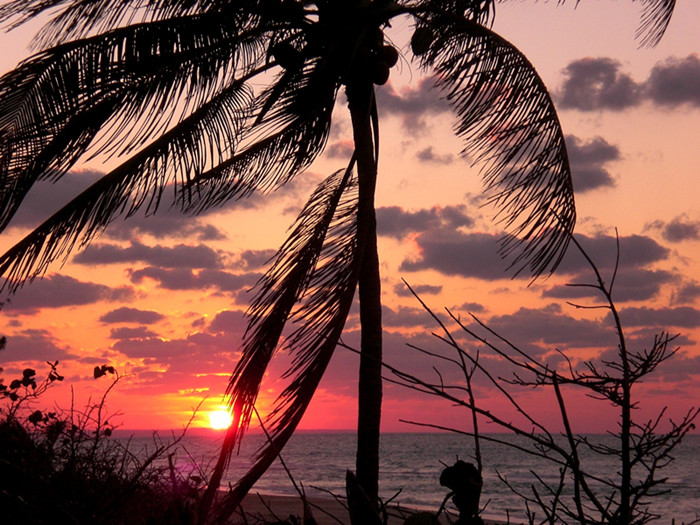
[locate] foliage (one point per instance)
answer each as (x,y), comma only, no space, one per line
(64,467)
(638,453)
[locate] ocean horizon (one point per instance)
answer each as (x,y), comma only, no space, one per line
(410,467)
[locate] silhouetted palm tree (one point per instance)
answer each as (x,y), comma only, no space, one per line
(171,84)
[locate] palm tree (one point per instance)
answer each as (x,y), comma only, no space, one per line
(169,86)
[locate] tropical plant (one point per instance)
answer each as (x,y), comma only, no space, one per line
(170,85)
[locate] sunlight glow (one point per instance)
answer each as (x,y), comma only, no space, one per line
(219,419)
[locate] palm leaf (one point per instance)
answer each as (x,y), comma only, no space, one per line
(128,83)
(290,135)
(511,129)
(656,15)
(318,269)
(201,139)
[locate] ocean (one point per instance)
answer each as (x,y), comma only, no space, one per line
(411,463)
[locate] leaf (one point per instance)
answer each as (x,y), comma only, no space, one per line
(508,122)
(35,417)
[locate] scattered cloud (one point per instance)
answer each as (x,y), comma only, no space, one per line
(679,229)
(686,293)
(679,316)
(34,345)
(592,84)
(675,81)
(429,155)
(125,314)
(179,256)
(412,103)
(402,290)
(475,255)
(188,279)
(131,332)
(394,221)
(597,83)
(56,291)
(342,149)
(588,162)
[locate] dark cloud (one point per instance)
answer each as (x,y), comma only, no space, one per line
(405,317)
(421,289)
(187,279)
(412,104)
(34,345)
(343,149)
(129,332)
(56,291)
(46,198)
(393,221)
(687,293)
(681,229)
(476,254)
(429,155)
(633,284)
(165,223)
(229,322)
(593,84)
(453,252)
(680,316)
(131,315)
(551,327)
(179,256)
(255,259)
(588,162)
(675,81)
(597,83)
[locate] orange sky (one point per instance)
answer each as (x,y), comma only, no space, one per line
(162,298)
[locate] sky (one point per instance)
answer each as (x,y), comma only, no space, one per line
(162,298)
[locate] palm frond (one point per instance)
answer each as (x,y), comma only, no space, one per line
(129,85)
(200,140)
(511,129)
(479,11)
(656,15)
(291,134)
(324,295)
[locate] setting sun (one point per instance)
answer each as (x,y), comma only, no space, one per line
(219,419)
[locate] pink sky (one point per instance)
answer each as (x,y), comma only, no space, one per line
(161,298)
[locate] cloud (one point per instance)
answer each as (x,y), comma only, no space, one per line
(429,155)
(592,84)
(394,221)
(476,254)
(34,345)
(633,284)
(56,291)
(179,256)
(343,149)
(452,252)
(675,82)
(131,315)
(405,317)
(680,229)
(412,104)
(597,83)
(421,289)
(588,162)
(679,316)
(255,259)
(167,222)
(187,279)
(129,332)
(551,327)
(687,293)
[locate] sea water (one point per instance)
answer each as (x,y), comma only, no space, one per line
(410,466)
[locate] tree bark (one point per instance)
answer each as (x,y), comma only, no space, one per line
(360,95)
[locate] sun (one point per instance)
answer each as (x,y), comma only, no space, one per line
(219,419)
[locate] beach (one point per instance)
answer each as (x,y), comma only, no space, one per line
(262,508)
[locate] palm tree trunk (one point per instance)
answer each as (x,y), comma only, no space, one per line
(360,95)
